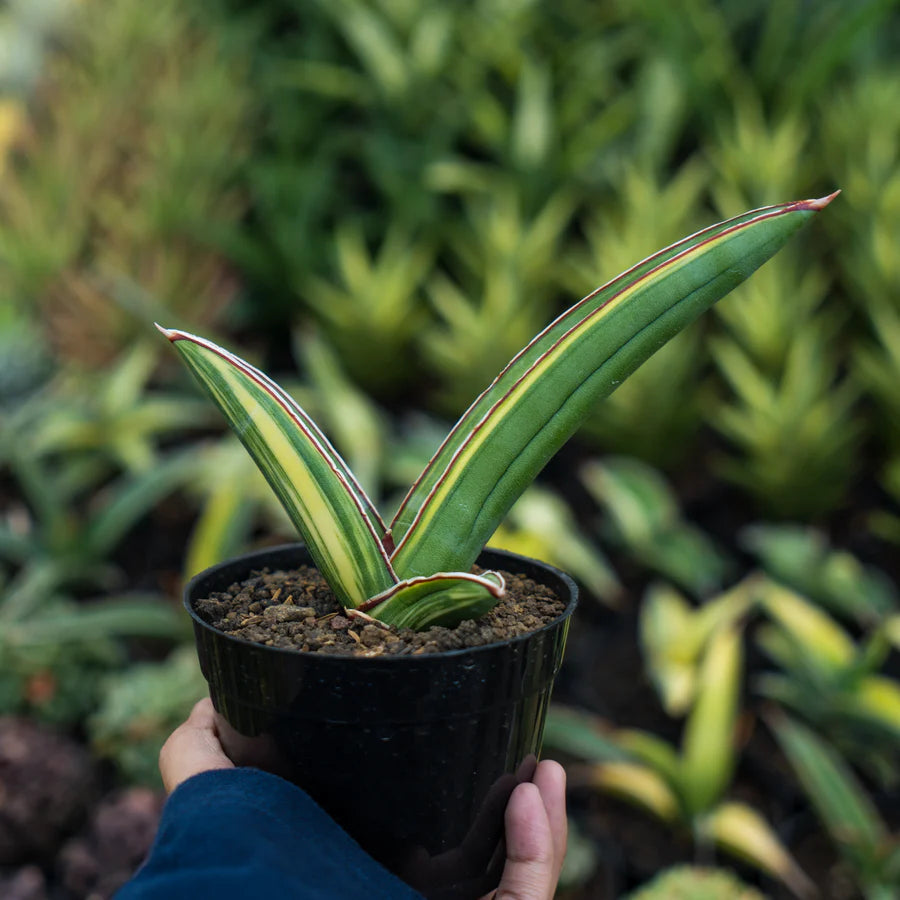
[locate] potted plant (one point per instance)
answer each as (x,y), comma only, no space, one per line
(415,753)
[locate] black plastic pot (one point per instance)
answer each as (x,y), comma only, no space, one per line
(415,756)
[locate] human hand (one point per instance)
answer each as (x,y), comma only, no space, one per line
(535,818)
(536,831)
(193,747)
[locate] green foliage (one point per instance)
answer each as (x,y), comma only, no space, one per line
(56,657)
(656,414)
(55,683)
(796,434)
(542,526)
(140,708)
(416,571)
(25,361)
(831,681)
(674,636)
(500,296)
(425,184)
(800,558)
(569,142)
(65,451)
(92,425)
(642,518)
(108,215)
(70,509)
(695,883)
(376,304)
(684,787)
(850,817)
(861,145)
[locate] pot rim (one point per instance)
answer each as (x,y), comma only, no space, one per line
(421,659)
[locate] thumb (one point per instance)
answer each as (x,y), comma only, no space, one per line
(192,748)
(531,871)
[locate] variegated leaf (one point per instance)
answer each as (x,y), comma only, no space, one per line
(445,599)
(742,831)
(543,395)
(338,522)
(842,803)
(708,746)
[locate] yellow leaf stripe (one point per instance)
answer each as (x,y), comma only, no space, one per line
(313,484)
(443,599)
(544,405)
(549,336)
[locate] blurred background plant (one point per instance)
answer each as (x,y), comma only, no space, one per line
(684,788)
(140,709)
(830,681)
(695,883)
(868,848)
(383,199)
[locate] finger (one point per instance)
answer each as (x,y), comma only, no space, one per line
(203,714)
(530,871)
(550,780)
(192,748)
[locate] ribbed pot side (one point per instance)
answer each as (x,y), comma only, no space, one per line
(415,756)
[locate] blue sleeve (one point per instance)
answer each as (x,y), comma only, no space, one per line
(240,833)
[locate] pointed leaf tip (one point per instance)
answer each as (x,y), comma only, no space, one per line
(165,331)
(513,429)
(821,202)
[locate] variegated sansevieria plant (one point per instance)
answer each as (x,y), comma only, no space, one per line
(416,571)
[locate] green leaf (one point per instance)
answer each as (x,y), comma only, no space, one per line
(133,496)
(742,831)
(444,599)
(539,400)
(708,754)
(670,646)
(823,642)
(581,734)
(654,752)
(333,514)
(878,700)
(840,801)
(801,558)
(128,617)
(637,784)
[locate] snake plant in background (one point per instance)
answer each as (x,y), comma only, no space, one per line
(869,850)
(837,685)
(800,558)
(415,571)
(684,786)
(642,518)
(674,636)
(695,883)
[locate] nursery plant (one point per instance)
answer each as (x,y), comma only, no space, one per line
(800,558)
(836,684)
(674,637)
(851,818)
(53,649)
(643,519)
(683,787)
(695,883)
(415,571)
